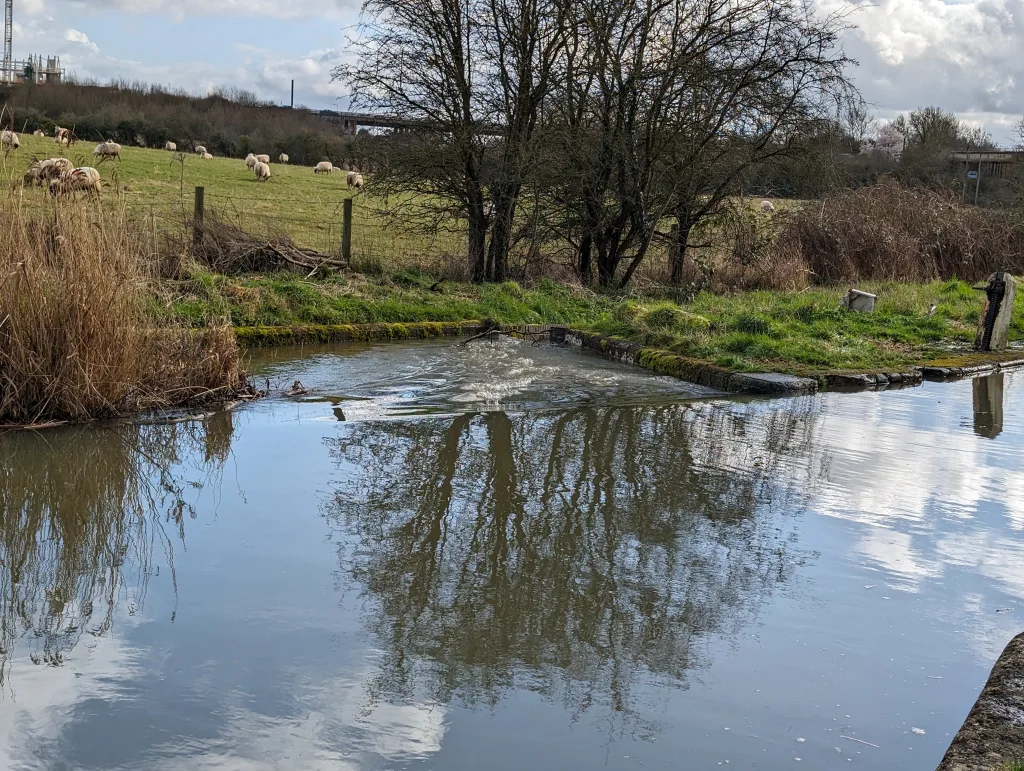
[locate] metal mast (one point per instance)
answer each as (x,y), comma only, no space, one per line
(6,74)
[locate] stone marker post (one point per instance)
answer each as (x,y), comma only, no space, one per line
(994,323)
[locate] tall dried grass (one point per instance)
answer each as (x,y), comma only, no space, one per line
(76,339)
(891,232)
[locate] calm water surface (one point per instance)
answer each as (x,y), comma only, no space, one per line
(506,557)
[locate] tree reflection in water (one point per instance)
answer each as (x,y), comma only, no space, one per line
(570,553)
(81,511)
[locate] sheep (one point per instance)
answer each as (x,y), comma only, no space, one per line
(262,171)
(43,171)
(324,167)
(171,147)
(250,161)
(106,150)
(282,158)
(263,159)
(61,136)
(767,207)
(355,179)
(200,150)
(9,141)
(39,133)
(84,178)
(207,157)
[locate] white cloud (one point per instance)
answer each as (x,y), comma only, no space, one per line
(963,56)
(75,36)
(282,9)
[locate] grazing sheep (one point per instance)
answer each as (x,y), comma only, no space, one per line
(263,159)
(282,158)
(262,171)
(324,167)
(250,161)
(9,141)
(43,171)
(61,136)
(207,157)
(84,178)
(39,133)
(171,147)
(106,150)
(355,179)
(200,150)
(767,207)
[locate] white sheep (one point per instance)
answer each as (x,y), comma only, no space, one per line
(324,167)
(39,133)
(45,170)
(283,158)
(9,140)
(61,136)
(250,161)
(84,178)
(171,147)
(262,171)
(200,150)
(263,159)
(207,157)
(106,150)
(355,179)
(767,207)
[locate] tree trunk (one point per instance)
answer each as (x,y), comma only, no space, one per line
(477,239)
(505,200)
(586,270)
(607,262)
(677,248)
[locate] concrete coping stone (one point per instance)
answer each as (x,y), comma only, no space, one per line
(992,736)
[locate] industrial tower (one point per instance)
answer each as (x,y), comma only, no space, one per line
(35,68)
(8,37)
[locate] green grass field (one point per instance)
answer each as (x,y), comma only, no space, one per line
(159,186)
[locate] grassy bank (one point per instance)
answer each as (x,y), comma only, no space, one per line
(799,332)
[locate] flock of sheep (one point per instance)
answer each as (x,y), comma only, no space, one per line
(62,179)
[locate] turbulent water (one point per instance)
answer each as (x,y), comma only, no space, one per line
(504,556)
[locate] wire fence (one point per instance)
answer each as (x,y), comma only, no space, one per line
(313,222)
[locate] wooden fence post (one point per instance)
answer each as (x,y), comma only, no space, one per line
(197,219)
(346,230)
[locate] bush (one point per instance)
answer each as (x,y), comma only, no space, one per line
(890,232)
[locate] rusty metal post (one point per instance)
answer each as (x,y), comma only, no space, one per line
(197,218)
(346,230)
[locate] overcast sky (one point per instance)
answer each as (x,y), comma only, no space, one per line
(964,55)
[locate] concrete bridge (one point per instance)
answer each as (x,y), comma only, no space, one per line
(351,122)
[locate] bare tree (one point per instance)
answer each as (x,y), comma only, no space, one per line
(418,61)
(469,76)
(666,104)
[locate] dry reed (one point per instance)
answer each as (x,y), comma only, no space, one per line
(76,340)
(890,232)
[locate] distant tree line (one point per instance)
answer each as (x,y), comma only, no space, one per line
(228,122)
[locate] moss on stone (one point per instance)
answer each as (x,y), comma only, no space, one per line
(263,336)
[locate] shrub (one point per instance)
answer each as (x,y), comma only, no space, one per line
(890,232)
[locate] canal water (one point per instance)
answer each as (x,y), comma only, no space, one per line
(508,556)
